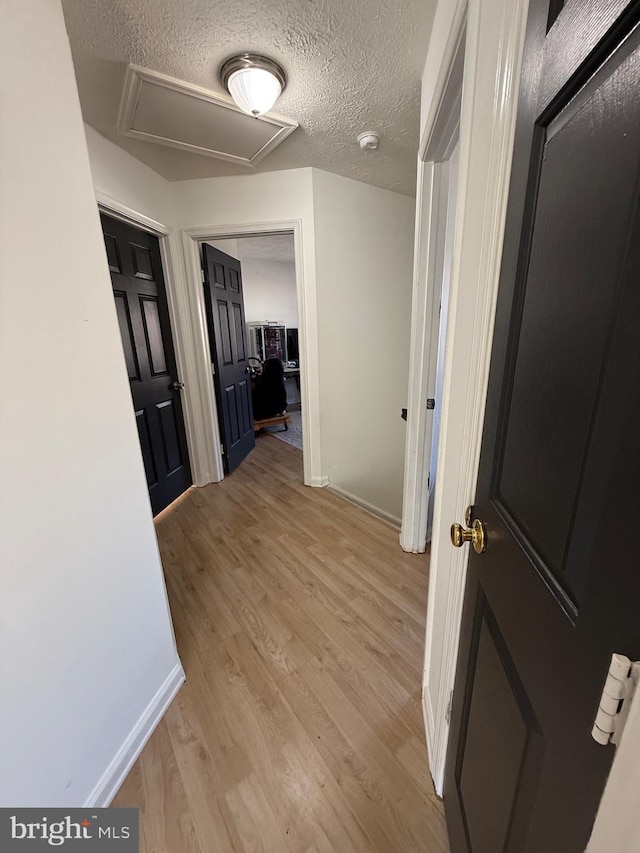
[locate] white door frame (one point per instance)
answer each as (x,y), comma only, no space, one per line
(177,300)
(439,335)
(307,334)
(494,39)
(436,145)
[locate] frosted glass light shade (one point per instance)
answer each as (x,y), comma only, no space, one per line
(253,81)
(254,90)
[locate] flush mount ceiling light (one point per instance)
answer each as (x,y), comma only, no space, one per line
(254,82)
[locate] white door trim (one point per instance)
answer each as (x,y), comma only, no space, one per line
(308,340)
(177,299)
(415,498)
(439,136)
(493,54)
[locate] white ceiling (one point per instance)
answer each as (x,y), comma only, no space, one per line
(276,248)
(351,66)
(272,247)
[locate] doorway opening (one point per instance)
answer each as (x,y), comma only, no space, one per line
(140,294)
(429,430)
(268,271)
(435,230)
(210,444)
(449,189)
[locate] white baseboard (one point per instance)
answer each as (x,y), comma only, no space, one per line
(393,520)
(124,759)
(318,482)
(407,544)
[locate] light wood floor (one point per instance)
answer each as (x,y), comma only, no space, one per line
(300,625)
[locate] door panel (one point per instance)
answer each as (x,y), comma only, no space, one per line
(145,446)
(573,270)
(153,336)
(142,262)
(240,334)
(169,430)
(225,333)
(547,604)
(126,333)
(499,724)
(227,338)
(143,317)
(113,255)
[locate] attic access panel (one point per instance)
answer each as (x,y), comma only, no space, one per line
(161,109)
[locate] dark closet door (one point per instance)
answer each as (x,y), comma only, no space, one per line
(141,303)
(229,355)
(556,592)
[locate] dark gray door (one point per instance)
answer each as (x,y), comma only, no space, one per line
(556,592)
(229,356)
(143,315)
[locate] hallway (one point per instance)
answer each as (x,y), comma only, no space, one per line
(300,625)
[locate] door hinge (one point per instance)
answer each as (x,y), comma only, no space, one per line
(213,369)
(449,707)
(619,687)
(204,277)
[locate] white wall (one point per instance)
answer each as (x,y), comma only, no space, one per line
(242,201)
(269,291)
(269,286)
(228,245)
(364,254)
(120,176)
(359,279)
(357,258)
(616,826)
(245,200)
(84,628)
(216,207)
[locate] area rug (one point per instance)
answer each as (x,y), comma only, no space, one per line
(293,435)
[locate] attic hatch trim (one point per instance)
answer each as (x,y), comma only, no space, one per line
(134,79)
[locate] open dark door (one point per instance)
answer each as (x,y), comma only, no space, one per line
(143,315)
(556,591)
(228,339)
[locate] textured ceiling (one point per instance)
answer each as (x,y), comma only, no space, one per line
(273,247)
(277,248)
(351,66)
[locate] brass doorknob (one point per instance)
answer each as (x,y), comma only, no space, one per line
(476,534)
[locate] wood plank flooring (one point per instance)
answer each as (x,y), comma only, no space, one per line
(300,625)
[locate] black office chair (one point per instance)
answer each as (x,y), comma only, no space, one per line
(269,393)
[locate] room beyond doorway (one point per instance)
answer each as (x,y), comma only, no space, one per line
(209,443)
(267,266)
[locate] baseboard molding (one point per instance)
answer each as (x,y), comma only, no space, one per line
(318,482)
(123,761)
(393,520)
(407,544)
